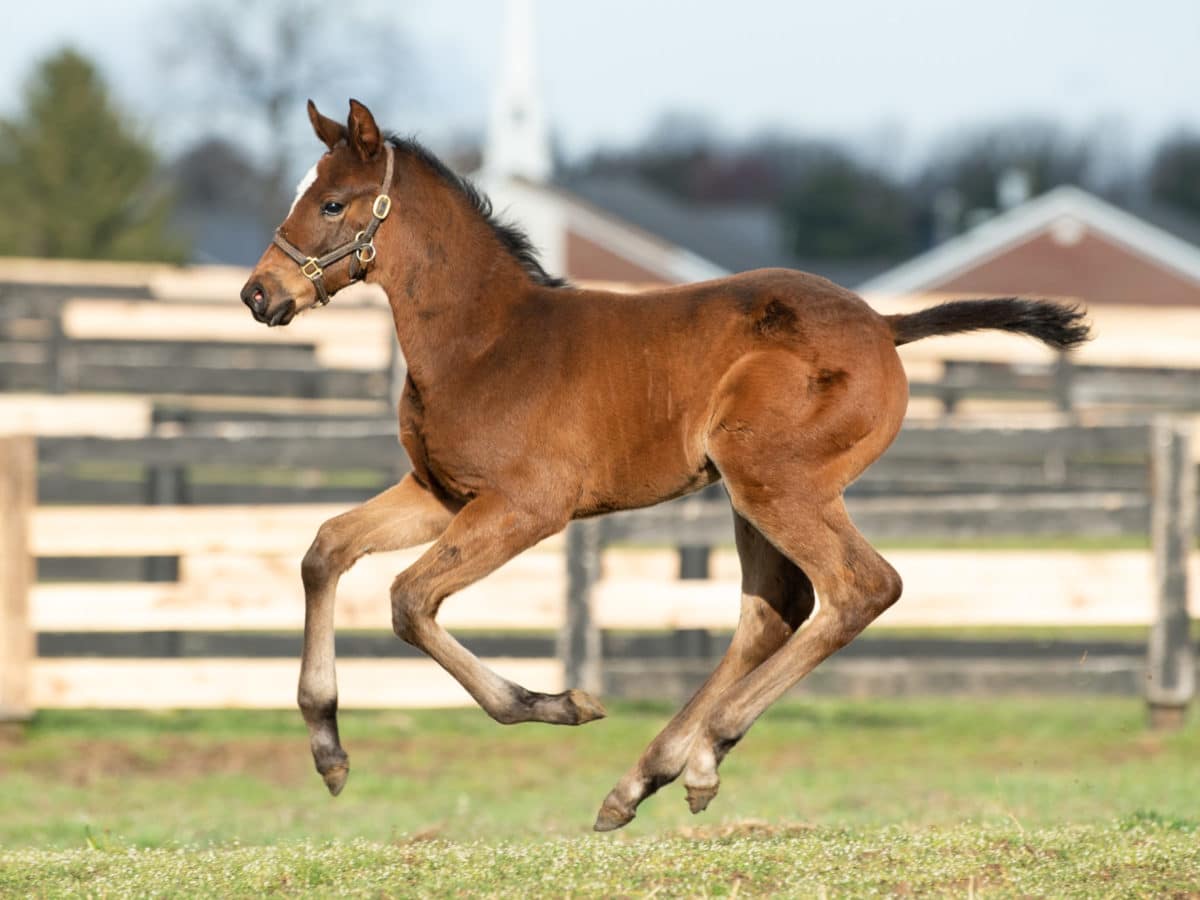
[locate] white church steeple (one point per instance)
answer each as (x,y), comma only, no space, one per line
(518,140)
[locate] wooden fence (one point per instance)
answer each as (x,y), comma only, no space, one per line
(234,566)
(1066,384)
(125,338)
(70,339)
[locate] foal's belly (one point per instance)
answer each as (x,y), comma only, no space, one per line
(643,473)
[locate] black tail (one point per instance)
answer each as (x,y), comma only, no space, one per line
(1057,324)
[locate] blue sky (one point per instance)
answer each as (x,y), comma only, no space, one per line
(892,76)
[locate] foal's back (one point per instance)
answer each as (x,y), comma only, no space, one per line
(636,383)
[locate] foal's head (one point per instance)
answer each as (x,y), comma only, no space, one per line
(327,239)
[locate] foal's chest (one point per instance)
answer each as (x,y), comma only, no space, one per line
(441,469)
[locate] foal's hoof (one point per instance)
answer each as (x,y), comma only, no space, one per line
(698,798)
(612,817)
(587,708)
(335,777)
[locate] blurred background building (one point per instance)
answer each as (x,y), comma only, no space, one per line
(217,139)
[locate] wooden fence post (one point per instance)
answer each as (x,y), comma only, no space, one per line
(165,486)
(579,639)
(1064,372)
(1171,664)
(695,559)
(18,485)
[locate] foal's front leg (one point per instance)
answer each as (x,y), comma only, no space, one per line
(402,516)
(489,531)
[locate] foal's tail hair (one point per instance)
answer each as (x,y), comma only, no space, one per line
(1058,324)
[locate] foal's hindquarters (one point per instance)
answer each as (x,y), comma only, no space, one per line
(792,425)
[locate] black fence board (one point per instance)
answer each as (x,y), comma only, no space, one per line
(337,447)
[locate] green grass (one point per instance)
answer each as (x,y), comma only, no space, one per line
(1003,797)
(1129,859)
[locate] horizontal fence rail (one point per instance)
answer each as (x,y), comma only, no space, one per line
(1066,384)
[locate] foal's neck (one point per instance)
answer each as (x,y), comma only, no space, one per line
(451,291)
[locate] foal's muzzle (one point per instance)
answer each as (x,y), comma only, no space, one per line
(255,297)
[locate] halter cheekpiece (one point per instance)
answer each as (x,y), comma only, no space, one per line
(362,247)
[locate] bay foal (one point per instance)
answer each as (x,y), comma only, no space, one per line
(530,403)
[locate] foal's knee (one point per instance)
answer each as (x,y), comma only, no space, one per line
(406,611)
(875,590)
(325,558)
(887,589)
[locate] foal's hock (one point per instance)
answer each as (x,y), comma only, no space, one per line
(530,402)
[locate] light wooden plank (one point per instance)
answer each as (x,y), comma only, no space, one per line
(172,530)
(261,683)
(99,416)
(351,338)
(942,588)
(1023,588)
(238,593)
(30,270)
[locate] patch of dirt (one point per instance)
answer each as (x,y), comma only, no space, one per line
(1144,746)
(280,760)
(277,760)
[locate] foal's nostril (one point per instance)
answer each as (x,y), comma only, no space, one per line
(255,298)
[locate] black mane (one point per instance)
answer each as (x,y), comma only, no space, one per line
(511,237)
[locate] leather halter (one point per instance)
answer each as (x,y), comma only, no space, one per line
(362,247)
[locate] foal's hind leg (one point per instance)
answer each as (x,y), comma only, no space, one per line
(854,585)
(788,435)
(489,531)
(776,598)
(402,516)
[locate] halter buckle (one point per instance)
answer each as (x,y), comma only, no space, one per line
(366,249)
(381,207)
(310,269)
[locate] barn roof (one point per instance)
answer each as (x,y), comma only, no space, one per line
(1062,211)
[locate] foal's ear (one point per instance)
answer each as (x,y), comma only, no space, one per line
(364,133)
(329,131)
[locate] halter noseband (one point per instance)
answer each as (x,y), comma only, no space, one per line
(363,245)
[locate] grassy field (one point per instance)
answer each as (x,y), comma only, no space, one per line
(835,798)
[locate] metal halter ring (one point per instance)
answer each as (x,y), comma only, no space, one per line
(365,253)
(381,207)
(310,269)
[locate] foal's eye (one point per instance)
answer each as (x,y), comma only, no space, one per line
(332,208)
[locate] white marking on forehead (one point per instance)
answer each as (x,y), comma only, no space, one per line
(305,183)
